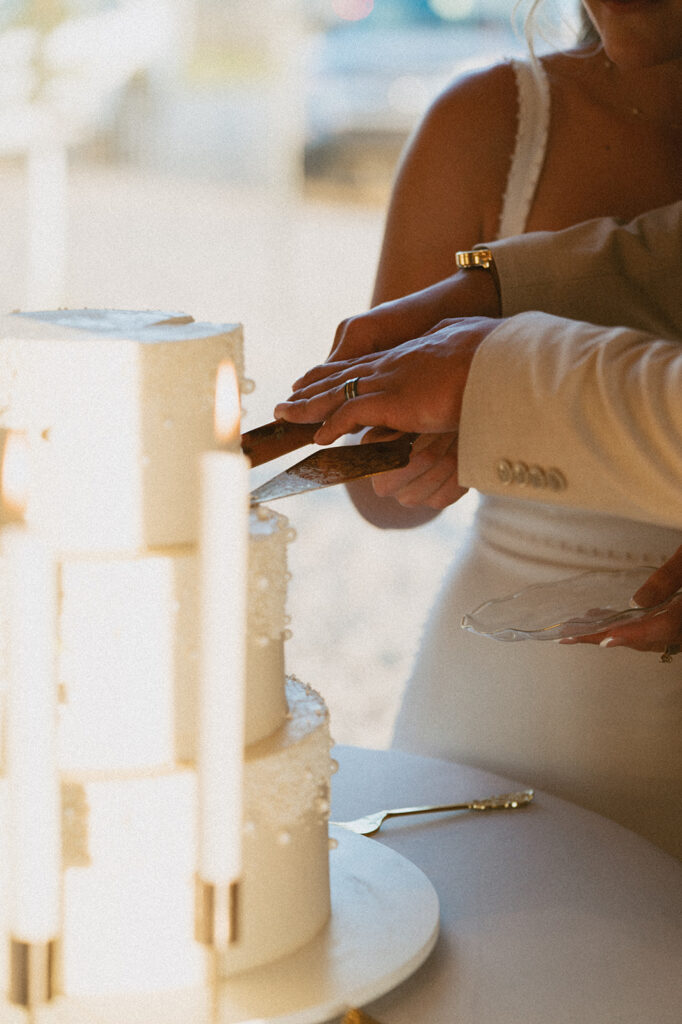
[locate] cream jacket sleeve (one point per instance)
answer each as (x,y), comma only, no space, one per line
(569,411)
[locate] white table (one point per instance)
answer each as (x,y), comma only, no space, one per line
(549,915)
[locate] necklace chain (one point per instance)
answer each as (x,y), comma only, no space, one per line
(637,112)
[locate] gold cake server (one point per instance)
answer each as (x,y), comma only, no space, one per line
(371,823)
(330,466)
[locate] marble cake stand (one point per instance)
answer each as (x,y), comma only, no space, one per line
(384,924)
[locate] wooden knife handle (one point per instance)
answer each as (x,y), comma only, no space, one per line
(262,444)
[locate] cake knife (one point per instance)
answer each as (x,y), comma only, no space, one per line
(330,466)
(263,444)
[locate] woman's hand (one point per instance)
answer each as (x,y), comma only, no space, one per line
(466,293)
(429,480)
(415,387)
(661,628)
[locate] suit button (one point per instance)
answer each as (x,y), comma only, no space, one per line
(504,471)
(520,473)
(537,476)
(556,481)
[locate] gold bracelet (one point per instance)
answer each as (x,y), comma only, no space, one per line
(479,259)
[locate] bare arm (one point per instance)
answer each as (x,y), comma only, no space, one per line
(447,196)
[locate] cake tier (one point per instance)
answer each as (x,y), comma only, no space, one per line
(130,856)
(128,662)
(117,407)
(286,844)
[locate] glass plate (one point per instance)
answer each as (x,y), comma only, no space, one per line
(575,606)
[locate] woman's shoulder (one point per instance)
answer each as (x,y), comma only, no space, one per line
(474,117)
(451,179)
(467,138)
(490,92)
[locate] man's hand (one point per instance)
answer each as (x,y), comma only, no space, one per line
(415,387)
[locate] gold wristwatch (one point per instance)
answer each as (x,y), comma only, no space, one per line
(478,259)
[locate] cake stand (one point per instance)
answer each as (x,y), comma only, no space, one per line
(383,926)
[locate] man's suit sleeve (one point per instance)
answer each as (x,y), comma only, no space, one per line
(575,414)
(563,410)
(601,272)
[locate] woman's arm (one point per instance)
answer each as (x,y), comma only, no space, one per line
(447,196)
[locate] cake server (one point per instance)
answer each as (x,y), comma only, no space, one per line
(371,823)
(330,466)
(263,444)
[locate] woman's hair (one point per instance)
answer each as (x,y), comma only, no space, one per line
(587,33)
(529,12)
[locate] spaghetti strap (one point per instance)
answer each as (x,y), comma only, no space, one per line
(530,148)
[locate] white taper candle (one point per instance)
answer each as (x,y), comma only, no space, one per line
(33,777)
(224,539)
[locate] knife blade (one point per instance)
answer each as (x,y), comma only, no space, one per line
(331,466)
(263,444)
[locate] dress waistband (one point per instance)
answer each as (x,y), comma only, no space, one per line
(571,537)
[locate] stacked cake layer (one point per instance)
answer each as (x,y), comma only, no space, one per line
(117,408)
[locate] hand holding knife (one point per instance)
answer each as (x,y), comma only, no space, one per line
(323,468)
(263,444)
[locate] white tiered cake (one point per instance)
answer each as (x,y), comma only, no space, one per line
(117,407)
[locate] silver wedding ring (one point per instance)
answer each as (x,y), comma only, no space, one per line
(350,388)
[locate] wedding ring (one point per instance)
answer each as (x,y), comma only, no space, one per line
(350,388)
(669,652)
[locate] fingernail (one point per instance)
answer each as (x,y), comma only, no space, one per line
(634,604)
(279,410)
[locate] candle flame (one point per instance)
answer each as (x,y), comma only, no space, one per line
(227,405)
(15,473)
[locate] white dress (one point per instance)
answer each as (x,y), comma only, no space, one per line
(602,728)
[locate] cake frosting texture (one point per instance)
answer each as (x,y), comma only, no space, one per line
(117,407)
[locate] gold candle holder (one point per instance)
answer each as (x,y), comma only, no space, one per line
(216,913)
(355,1016)
(34,972)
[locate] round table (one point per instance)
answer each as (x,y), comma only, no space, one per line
(550,914)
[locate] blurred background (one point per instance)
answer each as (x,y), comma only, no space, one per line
(232,159)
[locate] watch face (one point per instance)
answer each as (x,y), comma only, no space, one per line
(468,260)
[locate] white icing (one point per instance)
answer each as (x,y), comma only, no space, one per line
(128,659)
(285,898)
(118,406)
(267,575)
(291,770)
(130,847)
(107,471)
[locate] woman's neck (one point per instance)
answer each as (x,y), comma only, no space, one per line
(652,95)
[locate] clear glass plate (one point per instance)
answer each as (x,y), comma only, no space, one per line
(575,606)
